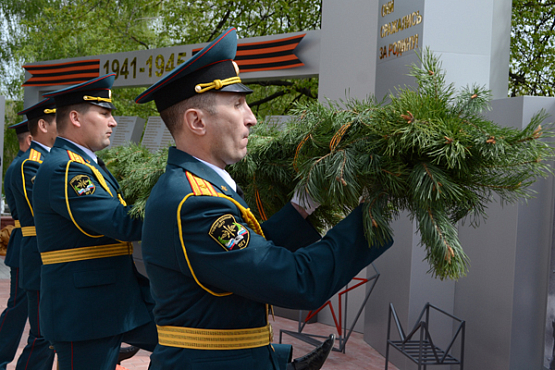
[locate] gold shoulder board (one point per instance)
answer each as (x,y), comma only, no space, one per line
(75,157)
(34,156)
(201,186)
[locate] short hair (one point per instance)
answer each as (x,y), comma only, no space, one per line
(172,116)
(33,123)
(22,136)
(62,114)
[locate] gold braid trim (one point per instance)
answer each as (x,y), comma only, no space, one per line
(216,84)
(214,339)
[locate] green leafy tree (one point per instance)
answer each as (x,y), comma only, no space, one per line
(42,30)
(532,48)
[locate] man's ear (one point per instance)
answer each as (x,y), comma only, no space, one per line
(42,126)
(194,121)
(28,140)
(75,118)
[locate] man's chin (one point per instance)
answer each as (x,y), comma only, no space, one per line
(103,145)
(235,160)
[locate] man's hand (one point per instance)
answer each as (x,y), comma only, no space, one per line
(304,204)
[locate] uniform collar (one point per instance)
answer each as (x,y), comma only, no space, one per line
(87,151)
(222,173)
(47,148)
(198,168)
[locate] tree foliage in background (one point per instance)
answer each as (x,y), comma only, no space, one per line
(11,145)
(532,48)
(42,30)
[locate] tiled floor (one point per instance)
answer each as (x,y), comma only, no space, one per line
(359,355)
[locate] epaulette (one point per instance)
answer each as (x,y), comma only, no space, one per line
(201,186)
(75,157)
(35,155)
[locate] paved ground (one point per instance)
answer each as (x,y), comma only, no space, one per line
(359,355)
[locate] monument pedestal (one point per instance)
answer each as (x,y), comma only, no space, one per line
(503,298)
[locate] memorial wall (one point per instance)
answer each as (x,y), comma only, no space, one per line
(129,129)
(156,135)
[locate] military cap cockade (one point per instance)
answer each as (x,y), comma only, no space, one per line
(96,91)
(42,108)
(20,127)
(212,68)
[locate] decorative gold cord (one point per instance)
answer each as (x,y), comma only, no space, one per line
(216,84)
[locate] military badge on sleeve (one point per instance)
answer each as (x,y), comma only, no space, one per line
(229,233)
(82,185)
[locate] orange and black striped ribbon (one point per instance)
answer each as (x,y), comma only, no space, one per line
(251,57)
(267,55)
(68,73)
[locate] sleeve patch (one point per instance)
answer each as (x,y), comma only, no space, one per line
(229,233)
(82,185)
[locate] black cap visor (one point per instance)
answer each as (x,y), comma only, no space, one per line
(103,104)
(236,88)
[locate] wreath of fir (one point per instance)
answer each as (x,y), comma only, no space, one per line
(427,151)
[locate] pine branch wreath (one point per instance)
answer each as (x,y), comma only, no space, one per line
(428,151)
(137,171)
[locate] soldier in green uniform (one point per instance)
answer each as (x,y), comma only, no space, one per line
(92,297)
(14,317)
(214,271)
(38,353)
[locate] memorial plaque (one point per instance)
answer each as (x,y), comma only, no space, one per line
(400,33)
(156,135)
(129,129)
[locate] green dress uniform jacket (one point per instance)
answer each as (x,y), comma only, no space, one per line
(22,187)
(210,269)
(14,317)
(90,286)
(12,254)
(37,354)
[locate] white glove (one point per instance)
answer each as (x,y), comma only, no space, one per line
(305,201)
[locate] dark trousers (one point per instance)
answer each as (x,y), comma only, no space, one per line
(12,320)
(38,354)
(102,354)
